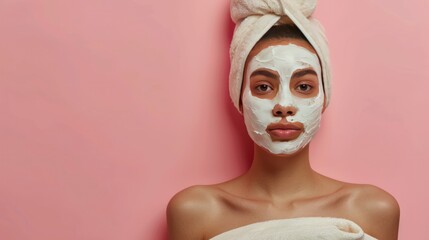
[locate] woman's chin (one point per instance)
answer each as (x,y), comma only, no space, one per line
(278,152)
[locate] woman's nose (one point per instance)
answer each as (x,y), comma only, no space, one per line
(283,111)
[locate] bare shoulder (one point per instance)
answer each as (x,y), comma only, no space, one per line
(189,211)
(373,201)
(375,210)
(191,199)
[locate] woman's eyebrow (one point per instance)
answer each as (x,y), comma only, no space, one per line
(264,73)
(303,72)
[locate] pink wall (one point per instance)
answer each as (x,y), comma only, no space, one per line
(110,107)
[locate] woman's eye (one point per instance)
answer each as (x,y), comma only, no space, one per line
(304,88)
(263,88)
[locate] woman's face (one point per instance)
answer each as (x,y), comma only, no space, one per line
(282,95)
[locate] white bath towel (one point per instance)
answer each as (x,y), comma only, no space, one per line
(254,18)
(305,228)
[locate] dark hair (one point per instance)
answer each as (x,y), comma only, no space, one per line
(284,31)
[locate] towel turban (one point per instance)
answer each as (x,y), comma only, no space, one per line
(253,18)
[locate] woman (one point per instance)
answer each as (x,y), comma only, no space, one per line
(280,70)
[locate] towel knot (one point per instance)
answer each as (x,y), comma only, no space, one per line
(241,9)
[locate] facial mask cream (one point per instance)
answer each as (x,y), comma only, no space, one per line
(258,112)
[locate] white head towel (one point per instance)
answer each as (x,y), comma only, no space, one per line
(304,228)
(253,18)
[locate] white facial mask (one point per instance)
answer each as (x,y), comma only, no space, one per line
(258,112)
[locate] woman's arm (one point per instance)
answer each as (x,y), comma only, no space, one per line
(378,212)
(187,212)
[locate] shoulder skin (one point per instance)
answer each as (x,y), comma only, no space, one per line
(189,212)
(376,211)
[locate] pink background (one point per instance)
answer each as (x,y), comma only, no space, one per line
(108,108)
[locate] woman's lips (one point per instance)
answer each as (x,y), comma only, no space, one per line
(284,131)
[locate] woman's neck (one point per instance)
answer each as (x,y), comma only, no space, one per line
(280,177)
